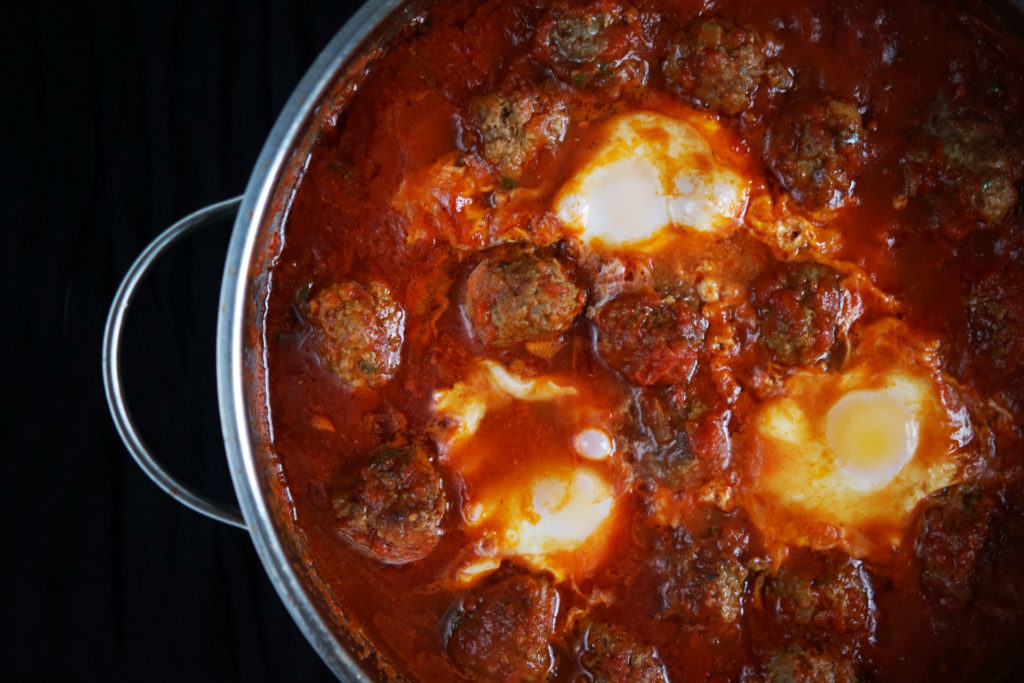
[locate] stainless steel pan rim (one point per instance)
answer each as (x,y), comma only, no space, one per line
(236,292)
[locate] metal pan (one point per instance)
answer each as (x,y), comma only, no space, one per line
(240,351)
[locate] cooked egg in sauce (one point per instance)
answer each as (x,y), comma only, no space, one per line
(650,173)
(707,362)
(842,458)
(548,500)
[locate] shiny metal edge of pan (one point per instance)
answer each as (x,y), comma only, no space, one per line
(237,396)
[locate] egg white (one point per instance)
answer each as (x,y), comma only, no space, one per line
(551,513)
(652,172)
(842,458)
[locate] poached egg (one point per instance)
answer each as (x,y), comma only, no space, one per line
(842,458)
(652,173)
(537,466)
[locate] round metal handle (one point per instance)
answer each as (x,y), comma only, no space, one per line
(112,366)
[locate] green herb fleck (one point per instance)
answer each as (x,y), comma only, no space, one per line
(340,167)
(385,454)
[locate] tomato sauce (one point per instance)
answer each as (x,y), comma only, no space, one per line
(416,180)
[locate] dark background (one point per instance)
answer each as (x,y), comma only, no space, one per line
(122,117)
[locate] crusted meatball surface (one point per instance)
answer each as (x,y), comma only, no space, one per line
(650,339)
(968,157)
(502,630)
(522,298)
(721,65)
(795,664)
(802,312)
(514,126)
(832,595)
(391,511)
(362,331)
(816,148)
(951,534)
(596,43)
(610,654)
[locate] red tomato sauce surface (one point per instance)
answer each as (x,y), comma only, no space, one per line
(449,156)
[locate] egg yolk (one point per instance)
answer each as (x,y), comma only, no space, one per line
(873,434)
(841,459)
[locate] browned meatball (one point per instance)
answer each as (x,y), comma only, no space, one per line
(593,43)
(702,580)
(707,593)
(995,323)
(794,664)
(581,36)
(973,159)
(800,311)
(835,597)
(951,535)
(650,339)
(612,655)
(514,126)
(525,298)
(362,331)
(392,510)
(656,436)
(503,629)
(815,147)
(721,65)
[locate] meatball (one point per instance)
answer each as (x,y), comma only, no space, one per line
(835,599)
(951,535)
(660,447)
(502,630)
(514,127)
(580,36)
(611,655)
(701,580)
(714,591)
(794,664)
(721,65)
(650,339)
(362,332)
(816,147)
(593,43)
(522,299)
(800,311)
(995,322)
(392,509)
(969,157)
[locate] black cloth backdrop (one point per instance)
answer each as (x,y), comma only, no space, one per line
(123,117)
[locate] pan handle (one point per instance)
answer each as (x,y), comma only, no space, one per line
(227,514)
